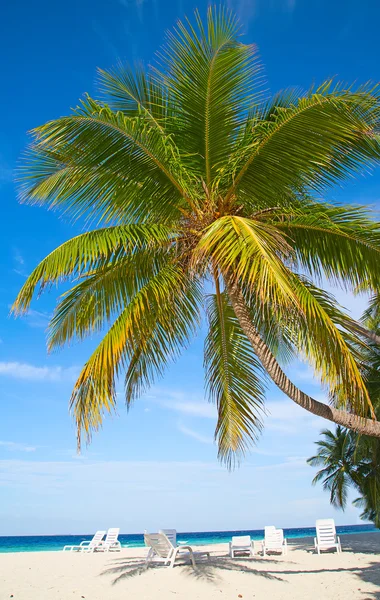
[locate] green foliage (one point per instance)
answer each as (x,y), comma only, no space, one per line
(188,176)
(234,379)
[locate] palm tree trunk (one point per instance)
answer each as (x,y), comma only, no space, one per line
(340,417)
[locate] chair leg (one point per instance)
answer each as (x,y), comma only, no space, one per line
(192,558)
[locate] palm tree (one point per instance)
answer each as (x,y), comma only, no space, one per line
(349,460)
(336,455)
(191,176)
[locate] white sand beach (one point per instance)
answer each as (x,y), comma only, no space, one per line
(301,575)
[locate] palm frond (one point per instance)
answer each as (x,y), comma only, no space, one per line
(324,137)
(213,80)
(339,243)
(101,295)
(317,335)
(68,151)
(164,337)
(95,390)
(90,251)
(251,251)
(234,380)
(135,92)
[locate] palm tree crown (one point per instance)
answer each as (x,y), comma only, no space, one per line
(191,176)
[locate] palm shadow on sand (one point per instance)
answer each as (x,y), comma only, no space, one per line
(207,570)
(122,569)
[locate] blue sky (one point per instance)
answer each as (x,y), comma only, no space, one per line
(156,466)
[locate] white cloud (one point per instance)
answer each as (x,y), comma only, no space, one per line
(194,434)
(37,319)
(180,402)
(37,496)
(15,446)
(32,373)
(19,262)
(286,417)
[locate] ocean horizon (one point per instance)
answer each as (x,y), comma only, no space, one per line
(43,543)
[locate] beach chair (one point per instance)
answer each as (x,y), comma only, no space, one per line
(87,545)
(171,534)
(326,536)
(111,543)
(274,540)
(240,545)
(162,550)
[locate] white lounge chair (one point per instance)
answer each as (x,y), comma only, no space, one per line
(163,551)
(171,534)
(241,545)
(87,545)
(111,543)
(274,540)
(326,536)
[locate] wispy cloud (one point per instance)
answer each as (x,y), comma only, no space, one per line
(194,434)
(19,263)
(37,319)
(285,416)
(29,372)
(16,447)
(183,403)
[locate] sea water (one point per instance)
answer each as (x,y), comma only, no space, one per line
(37,543)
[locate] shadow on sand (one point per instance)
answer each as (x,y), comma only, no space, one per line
(268,568)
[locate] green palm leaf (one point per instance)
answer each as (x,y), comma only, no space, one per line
(319,139)
(90,251)
(234,379)
(95,390)
(213,81)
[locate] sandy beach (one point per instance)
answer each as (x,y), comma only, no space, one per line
(299,575)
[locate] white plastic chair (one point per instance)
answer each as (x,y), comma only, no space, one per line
(241,545)
(171,534)
(326,536)
(111,543)
(163,551)
(274,540)
(87,545)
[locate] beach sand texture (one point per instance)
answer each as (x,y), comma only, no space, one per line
(301,575)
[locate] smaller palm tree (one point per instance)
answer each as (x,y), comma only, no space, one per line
(336,452)
(350,460)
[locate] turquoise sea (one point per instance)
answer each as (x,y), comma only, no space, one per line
(39,543)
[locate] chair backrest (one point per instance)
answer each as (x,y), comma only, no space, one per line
(273,535)
(241,540)
(112,535)
(159,542)
(326,532)
(97,539)
(171,534)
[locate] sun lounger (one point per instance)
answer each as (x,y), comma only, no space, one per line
(87,545)
(326,536)
(111,543)
(162,550)
(171,534)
